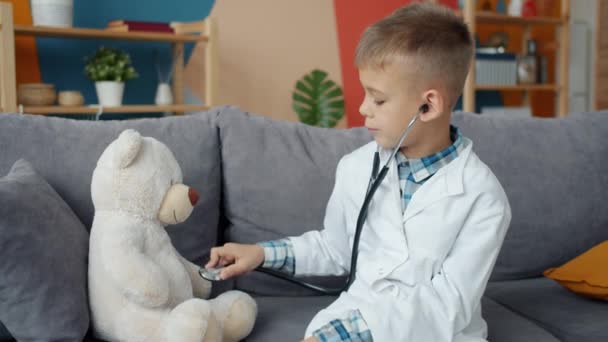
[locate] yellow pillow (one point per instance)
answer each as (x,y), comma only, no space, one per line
(587,274)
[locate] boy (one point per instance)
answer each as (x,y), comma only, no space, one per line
(437,221)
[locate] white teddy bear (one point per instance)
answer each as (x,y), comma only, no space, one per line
(140,287)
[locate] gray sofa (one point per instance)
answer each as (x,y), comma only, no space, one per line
(262,179)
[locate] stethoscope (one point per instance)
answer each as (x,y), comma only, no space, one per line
(374,182)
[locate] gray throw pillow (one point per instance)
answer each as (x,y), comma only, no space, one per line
(43,261)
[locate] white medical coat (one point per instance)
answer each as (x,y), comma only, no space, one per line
(420,274)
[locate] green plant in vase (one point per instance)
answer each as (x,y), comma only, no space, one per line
(109,68)
(317,100)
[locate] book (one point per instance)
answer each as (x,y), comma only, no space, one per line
(121,28)
(188,27)
(145,26)
(127,22)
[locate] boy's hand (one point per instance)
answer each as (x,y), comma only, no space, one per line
(311,339)
(239,258)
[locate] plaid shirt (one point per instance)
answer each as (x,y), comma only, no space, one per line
(413,173)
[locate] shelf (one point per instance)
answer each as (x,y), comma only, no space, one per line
(495,18)
(90,33)
(557,19)
(517,87)
(120,109)
(8,80)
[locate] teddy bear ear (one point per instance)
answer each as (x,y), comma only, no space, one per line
(128,145)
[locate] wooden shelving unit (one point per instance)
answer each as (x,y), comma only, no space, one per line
(8,86)
(43,110)
(560,87)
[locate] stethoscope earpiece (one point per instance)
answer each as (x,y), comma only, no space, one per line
(424,108)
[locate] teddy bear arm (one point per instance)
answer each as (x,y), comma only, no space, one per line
(140,279)
(201,288)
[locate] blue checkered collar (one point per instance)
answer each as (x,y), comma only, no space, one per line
(422,168)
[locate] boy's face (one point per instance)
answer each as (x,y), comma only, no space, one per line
(390,102)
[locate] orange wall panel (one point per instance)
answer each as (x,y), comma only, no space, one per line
(26,55)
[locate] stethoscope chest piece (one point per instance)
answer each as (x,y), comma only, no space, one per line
(211,274)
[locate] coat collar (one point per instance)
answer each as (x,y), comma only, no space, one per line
(448,181)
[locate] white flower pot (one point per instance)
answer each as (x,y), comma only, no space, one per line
(109,93)
(57,13)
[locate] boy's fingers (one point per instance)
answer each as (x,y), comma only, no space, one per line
(214,256)
(231,271)
(225,260)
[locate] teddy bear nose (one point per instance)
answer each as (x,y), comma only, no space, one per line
(193,195)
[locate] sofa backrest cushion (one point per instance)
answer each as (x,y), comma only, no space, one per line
(278,177)
(65,153)
(555,174)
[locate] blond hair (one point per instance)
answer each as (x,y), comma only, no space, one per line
(431,36)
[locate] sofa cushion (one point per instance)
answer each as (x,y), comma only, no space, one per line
(278,177)
(286,319)
(505,325)
(43,252)
(555,175)
(65,152)
(5,336)
(586,274)
(566,315)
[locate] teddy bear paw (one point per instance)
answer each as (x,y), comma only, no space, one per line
(193,321)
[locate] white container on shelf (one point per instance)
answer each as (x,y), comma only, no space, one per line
(515,7)
(109,93)
(58,13)
(163,95)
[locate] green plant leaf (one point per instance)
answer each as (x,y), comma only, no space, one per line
(333,105)
(327,84)
(303,99)
(109,64)
(318,100)
(305,114)
(300,85)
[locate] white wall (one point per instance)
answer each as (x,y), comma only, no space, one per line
(582,65)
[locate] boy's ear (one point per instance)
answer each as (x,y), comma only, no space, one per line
(435,103)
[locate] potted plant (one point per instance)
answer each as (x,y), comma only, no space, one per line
(317,100)
(109,68)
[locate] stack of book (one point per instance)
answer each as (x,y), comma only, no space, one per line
(495,67)
(154,26)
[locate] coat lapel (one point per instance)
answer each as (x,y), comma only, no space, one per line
(445,183)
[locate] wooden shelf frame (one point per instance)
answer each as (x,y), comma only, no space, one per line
(497,18)
(8,86)
(473,18)
(519,87)
(94,109)
(91,33)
